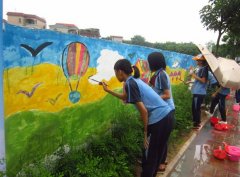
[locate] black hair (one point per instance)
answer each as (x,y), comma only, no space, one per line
(126,67)
(156,61)
(205,63)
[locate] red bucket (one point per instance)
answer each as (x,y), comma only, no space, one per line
(219,153)
(221,127)
(214,120)
(228,97)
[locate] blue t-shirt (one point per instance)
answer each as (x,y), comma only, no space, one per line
(162,82)
(211,78)
(199,87)
(224,91)
(138,91)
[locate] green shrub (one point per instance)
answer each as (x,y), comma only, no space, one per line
(183,100)
(112,153)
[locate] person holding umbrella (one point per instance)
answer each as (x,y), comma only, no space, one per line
(219,98)
(198,89)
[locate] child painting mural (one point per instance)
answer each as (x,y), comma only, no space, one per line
(155,114)
(160,82)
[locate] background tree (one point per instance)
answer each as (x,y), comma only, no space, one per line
(138,40)
(221,16)
(186,48)
(232,44)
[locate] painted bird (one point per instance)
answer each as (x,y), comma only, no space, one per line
(36,51)
(27,93)
(53,101)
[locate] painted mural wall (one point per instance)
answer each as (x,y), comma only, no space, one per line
(2,140)
(51,96)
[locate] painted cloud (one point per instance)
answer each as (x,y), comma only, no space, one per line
(105,64)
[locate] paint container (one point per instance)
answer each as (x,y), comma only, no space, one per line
(214,120)
(233,158)
(228,97)
(236,107)
(219,153)
(233,152)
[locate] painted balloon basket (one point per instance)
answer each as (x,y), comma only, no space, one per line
(75,60)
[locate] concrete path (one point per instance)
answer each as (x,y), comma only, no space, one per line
(198,161)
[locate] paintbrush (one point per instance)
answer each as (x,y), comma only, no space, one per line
(100,83)
(185,82)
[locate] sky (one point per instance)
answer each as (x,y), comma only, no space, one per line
(155,20)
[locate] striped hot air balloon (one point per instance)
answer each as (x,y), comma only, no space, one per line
(75,60)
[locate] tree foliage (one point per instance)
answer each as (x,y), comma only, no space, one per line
(138,40)
(186,48)
(221,16)
(231,46)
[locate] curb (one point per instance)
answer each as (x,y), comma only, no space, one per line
(174,161)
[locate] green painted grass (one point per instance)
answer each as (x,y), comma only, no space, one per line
(32,135)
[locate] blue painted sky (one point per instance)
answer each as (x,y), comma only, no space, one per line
(15,55)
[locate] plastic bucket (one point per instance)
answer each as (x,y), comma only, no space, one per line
(236,107)
(214,120)
(233,152)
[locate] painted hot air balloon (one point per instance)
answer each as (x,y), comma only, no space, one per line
(144,69)
(75,60)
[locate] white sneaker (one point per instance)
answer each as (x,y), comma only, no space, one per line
(222,122)
(208,114)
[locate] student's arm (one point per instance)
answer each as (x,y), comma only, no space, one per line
(203,76)
(201,79)
(186,82)
(166,94)
(144,116)
(122,96)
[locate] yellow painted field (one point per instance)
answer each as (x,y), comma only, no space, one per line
(52,91)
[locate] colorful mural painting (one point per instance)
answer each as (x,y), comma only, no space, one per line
(51,91)
(2,139)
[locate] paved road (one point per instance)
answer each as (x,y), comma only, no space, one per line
(198,161)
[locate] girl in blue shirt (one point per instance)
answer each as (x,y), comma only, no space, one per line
(160,82)
(199,89)
(154,112)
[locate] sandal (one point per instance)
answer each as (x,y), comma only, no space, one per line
(162,168)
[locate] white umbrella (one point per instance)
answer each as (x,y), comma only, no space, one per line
(226,71)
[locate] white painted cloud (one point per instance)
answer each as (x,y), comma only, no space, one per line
(105,65)
(176,64)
